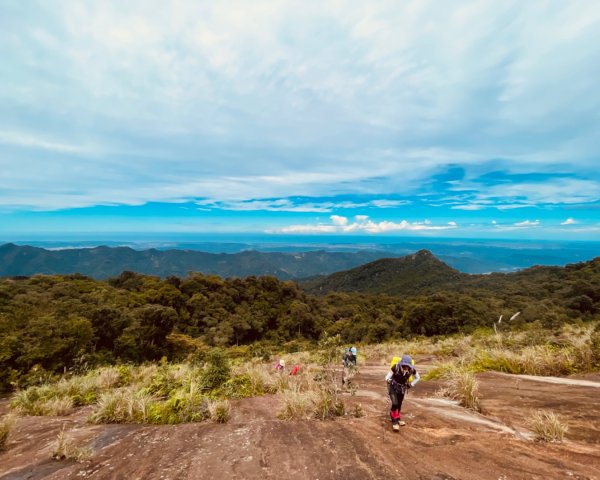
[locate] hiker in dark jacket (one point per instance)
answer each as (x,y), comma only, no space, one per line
(400,378)
(347,358)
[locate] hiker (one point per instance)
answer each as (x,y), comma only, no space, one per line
(280,365)
(347,358)
(295,370)
(353,352)
(400,378)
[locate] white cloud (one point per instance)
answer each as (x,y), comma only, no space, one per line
(472,206)
(340,221)
(291,204)
(29,141)
(569,221)
(527,223)
(363,224)
(296,98)
(552,190)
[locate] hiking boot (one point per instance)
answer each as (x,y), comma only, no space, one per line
(395,427)
(402,423)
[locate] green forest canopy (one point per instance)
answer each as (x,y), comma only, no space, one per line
(52,323)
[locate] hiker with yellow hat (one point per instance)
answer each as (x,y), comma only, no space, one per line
(400,378)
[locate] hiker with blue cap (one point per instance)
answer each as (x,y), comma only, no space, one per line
(354,352)
(400,378)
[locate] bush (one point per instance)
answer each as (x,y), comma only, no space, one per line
(327,405)
(6,424)
(547,426)
(441,370)
(357,411)
(217,371)
(220,411)
(462,385)
(56,407)
(185,404)
(122,406)
(594,346)
(296,405)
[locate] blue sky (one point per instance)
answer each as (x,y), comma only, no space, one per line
(457,119)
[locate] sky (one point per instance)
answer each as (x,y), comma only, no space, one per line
(470,119)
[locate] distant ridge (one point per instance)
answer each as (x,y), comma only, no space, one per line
(408,275)
(103,262)
(423,274)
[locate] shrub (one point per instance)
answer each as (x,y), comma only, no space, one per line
(122,406)
(357,411)
(547,426)
(327,405)
(112,377)
(296,404)
(25,402)
(6,425)
(220,411)
(185,404)
(441,370)
(56,406)
(462,385)
(217,371)
(594,345)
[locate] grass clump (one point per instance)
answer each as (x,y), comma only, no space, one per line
(442,370)
(185,404)
(461,385)
(357,411)
(6,424)
(65,448)
(122,406)
(314,393)
(220,411)
(56,406)
(547,426)
(296,404)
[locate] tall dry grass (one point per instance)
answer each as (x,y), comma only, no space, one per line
(314,393)
(461,385)
(124,405)
(220,411)
(547,426)
(66,448)
(533,352)
(6,424)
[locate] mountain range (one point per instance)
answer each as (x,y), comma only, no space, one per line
(422,273)
(318,271)
(104,262)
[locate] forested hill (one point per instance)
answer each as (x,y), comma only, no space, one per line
(48,323)
(423,274)
(410,275)
(104,262)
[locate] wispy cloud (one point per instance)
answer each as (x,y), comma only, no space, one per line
(362,223)
(302,107)
(306,204)
(29,141)
(527,223)
(568,221)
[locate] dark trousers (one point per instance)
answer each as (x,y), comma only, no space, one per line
(396,394)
